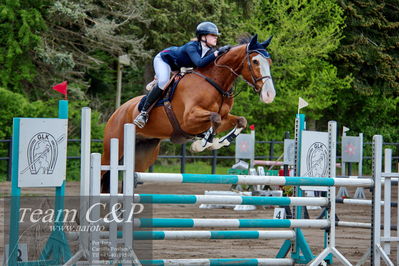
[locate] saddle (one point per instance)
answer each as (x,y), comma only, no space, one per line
(178,135)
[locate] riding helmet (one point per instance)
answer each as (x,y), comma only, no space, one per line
(205,28)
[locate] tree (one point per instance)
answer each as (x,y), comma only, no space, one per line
(305,34)
(49,41)
(21,23)
(370,53)
(86,37)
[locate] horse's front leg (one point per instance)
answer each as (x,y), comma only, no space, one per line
(236,123)
(207,140)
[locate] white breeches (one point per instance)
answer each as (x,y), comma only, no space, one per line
(162,71)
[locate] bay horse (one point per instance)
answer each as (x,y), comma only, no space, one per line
(201,104)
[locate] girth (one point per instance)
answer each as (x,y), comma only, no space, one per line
(178,135)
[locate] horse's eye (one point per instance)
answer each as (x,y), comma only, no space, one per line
(256,62)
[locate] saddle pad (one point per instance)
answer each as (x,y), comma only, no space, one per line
(167,96)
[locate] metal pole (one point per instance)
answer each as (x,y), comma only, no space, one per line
(286,170)
(9,166)
(118,85)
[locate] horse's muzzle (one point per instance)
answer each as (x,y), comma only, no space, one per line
(268,93)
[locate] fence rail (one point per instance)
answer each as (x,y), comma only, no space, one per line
(214,157)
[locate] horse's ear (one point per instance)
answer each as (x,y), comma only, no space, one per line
(267,42)
(253,42)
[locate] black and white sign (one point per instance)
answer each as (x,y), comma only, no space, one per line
(42,152)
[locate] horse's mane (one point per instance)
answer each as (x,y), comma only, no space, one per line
(244,39)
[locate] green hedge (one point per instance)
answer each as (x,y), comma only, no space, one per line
(15,105)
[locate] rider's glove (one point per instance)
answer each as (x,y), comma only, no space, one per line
(223,49)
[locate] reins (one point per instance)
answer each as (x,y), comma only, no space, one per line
(224,93)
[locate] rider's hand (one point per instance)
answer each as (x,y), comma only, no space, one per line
(223,49)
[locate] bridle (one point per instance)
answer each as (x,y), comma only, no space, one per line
(251,70)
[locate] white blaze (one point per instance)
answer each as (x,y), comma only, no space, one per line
(268,93)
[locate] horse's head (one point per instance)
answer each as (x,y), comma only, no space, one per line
(256,69)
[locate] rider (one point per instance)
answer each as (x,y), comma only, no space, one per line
(198,53)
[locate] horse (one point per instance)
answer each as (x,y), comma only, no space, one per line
(201,105)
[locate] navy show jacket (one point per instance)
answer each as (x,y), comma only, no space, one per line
(187,55)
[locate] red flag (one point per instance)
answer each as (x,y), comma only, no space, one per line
(62,87)
(252,127)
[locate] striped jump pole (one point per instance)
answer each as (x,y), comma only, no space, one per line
(229,223)
(251,180)
(216,199)
(184,235)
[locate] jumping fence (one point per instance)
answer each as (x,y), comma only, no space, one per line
(184,157)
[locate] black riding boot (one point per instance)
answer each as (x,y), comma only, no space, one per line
(152,97)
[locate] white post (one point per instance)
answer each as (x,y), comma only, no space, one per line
(85,141)
(387,200)
(128,188)
(95,176)
(332,135)
(113,226)
(377,162)
(332,132)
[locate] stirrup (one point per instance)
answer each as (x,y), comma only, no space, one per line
(141,119)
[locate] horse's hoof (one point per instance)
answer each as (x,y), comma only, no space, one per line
(198,147)
(216,144)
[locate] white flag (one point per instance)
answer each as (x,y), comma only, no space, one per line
(301,104)
(345,129)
